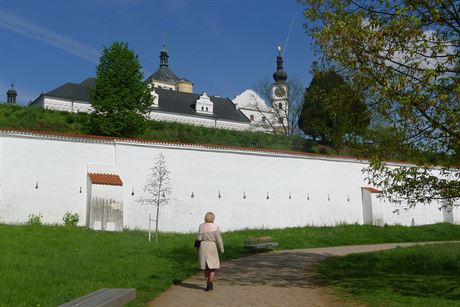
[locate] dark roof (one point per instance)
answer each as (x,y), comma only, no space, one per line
(164,74)
(184,103)
(74,91)
(12,91)
(170,101)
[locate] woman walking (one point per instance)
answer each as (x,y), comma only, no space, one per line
(211,240)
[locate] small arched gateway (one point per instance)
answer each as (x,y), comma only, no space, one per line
(105,202)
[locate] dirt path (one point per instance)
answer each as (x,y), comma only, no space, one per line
(284,278)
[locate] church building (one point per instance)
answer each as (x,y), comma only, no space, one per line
(272,116)
(174,101)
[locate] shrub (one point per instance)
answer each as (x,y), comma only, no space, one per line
(35,219)
(70,219)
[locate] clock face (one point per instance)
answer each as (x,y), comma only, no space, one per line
(280,92)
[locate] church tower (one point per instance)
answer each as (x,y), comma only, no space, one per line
(165,78)
(279,93)
(11,95)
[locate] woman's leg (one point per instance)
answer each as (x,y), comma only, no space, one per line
(212,275)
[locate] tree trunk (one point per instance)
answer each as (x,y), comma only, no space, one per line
(156,225)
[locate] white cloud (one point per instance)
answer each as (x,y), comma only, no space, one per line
(19,25)
(176,7)
(424,59)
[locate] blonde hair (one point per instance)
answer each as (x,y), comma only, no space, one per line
(209,217)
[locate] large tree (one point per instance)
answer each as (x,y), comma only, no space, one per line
(332,111)
(120,99)
(406,56)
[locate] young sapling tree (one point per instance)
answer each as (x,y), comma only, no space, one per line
(157,188)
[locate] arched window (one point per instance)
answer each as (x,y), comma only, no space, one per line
(280,106)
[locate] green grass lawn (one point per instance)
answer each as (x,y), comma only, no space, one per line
(415,276)
(49,265)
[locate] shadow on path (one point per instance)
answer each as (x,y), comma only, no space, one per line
(285,278)
(191,286)
(272,269)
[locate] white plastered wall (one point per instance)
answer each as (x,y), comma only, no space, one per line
(322,190)
(206,172)
(198,121)
(66,105)
(76,106)
(58,168)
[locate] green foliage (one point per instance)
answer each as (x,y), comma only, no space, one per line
(332,111)
(35,219)
(417,276)
(120,99)
(17,117)
(70,219)
(405,57)
(33,118)
(164,131)
(34,262)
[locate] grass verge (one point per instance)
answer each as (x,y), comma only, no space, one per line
(34,118)
(49,265)
(415,276)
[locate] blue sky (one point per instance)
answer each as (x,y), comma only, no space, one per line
(223,46)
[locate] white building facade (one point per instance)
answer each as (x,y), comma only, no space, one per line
(53,173)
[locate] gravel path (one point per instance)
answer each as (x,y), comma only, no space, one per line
(282,278)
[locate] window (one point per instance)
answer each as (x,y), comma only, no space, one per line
(251,117)
(280,106)
(206,109)
(202,108)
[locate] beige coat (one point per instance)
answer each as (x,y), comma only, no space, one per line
(210,242)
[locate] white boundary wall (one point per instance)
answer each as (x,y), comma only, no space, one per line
(323,190)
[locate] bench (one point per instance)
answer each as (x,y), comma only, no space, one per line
(104,298)
(259,243)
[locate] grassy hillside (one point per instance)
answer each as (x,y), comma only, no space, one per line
(17,117)
(49,265)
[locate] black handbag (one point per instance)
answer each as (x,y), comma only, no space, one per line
(197,243)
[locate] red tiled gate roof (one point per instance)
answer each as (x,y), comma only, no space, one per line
(105,179)
(372,190)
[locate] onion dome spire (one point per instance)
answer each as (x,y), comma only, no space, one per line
(11,95)
(164,56)
(280,76)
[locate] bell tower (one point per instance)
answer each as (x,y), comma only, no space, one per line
(11,95)
(279,93)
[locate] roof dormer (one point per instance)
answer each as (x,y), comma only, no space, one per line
(204,105)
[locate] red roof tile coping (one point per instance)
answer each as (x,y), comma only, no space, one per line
(372,190)
(210,146)
(105,179)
